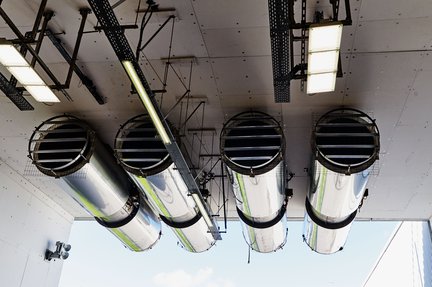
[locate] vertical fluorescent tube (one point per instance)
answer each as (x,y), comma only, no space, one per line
(146,101)
(202,209)
(159,127)
(323,57)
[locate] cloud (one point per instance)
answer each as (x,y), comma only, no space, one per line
(221,283)
(181,278)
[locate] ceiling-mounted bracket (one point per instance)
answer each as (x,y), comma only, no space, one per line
(84,79)
(180,60)
(25,41)
(35,55)
(282,27)
(100,28)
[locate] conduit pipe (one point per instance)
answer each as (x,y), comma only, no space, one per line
(345,144)
(252,147)
(141,152)
(66,148)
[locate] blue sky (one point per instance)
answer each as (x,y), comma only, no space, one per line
(97,258)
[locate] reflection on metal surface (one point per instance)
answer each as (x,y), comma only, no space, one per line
(252,147)
(62,146)
(143,155)
(346,144)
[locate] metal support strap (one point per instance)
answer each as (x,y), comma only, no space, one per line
(262,225)
(183,224)
(132,205)
(325,224)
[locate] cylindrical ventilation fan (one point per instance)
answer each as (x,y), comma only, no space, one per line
(143,155)
(252,147)
(66,148)
(345,145)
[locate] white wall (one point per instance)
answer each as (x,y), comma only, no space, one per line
(407,259)
(30,223)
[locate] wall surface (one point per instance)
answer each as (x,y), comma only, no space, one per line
(406,260)
(30,222)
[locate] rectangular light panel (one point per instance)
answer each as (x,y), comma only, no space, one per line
(26,76)
(18,66)
(324,37)
(323,56)
(323,62)
(42,94)
(9,56)
(321,83)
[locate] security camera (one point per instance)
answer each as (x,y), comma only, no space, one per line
(61,251)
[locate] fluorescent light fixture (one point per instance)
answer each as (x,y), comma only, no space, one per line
(42,93)
(323,62)
(9,56)
(323,56)
(325,37)
(320,83)
(202,209)
(130,70)
(26,76)
(18,66)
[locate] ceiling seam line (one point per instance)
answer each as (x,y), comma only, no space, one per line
(219,93)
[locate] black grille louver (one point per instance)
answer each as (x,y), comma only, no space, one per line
(346,140)
(251,141)
(139,148)
(61,145)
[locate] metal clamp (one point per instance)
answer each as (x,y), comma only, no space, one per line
(325,224)
(262,225)
(183,224)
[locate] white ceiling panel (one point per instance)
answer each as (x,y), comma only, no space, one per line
(300,185)
(409,153)
(388,194)
(22,13)
(237,42)
(210,13)
(243,76)
(298,151)
(376,72)
(393,35)
(394,10)
(187,40)
(418,107)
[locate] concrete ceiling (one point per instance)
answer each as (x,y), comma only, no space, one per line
(387,67)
